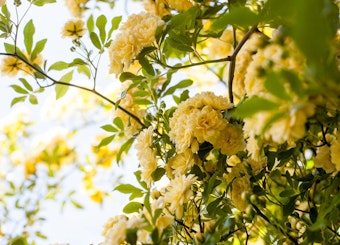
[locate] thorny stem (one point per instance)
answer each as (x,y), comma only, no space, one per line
(54,82)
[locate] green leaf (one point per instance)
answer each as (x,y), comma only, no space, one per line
(77,61)
(132,207)
(142,102)
(145,51)
(101,24)
(119,123)
(114,24)
(77,204)
(39,47)
(18,99)
(129,76)
(5,11)
(253,105)
(240,16)
(106,141)
(287,193)
(109,128)
(29,31)
(138,175)
(293,80)
(158,174)
(10,48)
(39,234)
(84,69)
(42,2)
(155,236)
(140,93)
(58,66)
(124,148)
(61,89)
(33,99)
(182,84)
(144,62)
(127,188)
(19,241)
(19,89)
(90,24)
(26,84)
(131,236)
(290,206)
(311,28)
(274,83)
(180,41)
(95,40)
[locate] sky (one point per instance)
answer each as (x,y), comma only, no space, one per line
(72,226)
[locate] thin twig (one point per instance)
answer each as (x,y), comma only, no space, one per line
(54,82)
(232,60)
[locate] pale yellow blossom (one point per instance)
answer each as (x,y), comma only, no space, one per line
(197,120)
(240,183)
(74,29)
(2,2)
(146,155)
(179,192)
(183,162)
(135,34)
(335,153)
(323,159)
(243,60)
(230,140)
(115,230)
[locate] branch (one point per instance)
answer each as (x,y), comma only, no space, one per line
(263,216)
(54,82)
(194,64)
(232,60)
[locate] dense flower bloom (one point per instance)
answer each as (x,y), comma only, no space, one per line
(293,113)
(323,159)
(116,227)
(328,156)
(115,230)
(146,154)
(182,162)
(179,192)
(243,59)
(74,29)
(288,128)
(231,139)
(273,57)
(199,119)
(135,34)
